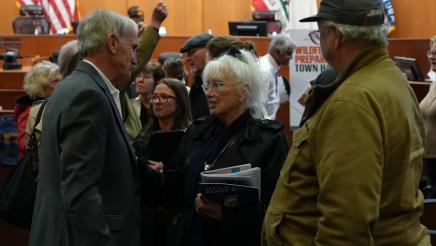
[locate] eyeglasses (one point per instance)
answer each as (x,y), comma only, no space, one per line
(214,84)
(161,97)
(315,36)
(431,54)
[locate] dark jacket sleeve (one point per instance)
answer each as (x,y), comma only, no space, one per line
(248,221)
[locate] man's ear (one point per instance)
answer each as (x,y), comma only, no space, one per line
(112,42)
(338,37)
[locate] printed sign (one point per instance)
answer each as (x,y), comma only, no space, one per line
(306,64)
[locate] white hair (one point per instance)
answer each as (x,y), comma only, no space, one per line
(245,69)
(281,42)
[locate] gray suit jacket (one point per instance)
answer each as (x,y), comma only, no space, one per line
(88,189)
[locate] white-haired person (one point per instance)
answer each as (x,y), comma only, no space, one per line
(39,83)
(235,133)
(279,54)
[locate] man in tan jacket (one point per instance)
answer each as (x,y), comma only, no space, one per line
(351,177)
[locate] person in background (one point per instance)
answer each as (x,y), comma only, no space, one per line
(428,109)
(144,86)
(234,134)
(279,54)
(68,60)
(174,68)
(194,50)
(88,188)
(39,83)
(351,177)
(148,39)
(431,54)
(69,57)
(169,110)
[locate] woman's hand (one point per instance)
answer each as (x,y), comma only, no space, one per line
(208,208)
(156,166)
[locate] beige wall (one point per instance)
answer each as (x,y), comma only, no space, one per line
(187,17)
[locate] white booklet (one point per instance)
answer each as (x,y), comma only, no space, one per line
(232,186)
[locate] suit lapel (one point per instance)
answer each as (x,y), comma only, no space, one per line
(87,68)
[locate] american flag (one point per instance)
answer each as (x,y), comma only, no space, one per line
(60,12)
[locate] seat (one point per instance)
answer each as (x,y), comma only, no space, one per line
(28,25)
(428,218)
(169,54)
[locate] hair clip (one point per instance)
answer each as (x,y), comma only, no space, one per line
(233,52)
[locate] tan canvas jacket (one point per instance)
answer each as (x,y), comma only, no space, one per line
(351,177)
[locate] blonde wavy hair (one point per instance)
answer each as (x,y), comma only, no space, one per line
(39,76)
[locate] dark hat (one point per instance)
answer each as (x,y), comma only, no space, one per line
(199,40)
(349,12)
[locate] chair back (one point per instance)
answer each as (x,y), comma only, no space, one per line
(31,25)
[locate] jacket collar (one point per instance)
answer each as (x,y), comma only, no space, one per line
(90,70)
(209,124)
(320,93)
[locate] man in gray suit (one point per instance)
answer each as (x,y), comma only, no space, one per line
(88,189)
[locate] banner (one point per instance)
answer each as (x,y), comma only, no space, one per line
(389,14)
(60,12)
(305,66)
(299,9)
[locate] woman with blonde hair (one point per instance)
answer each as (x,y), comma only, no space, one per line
(39,83)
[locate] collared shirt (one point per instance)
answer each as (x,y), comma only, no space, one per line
(270,67)
(114,91)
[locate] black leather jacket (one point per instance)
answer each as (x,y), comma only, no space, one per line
(260,143)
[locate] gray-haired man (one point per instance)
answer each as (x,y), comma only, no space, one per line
(88,190)
(279,53)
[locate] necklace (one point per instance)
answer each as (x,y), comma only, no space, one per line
(208,166)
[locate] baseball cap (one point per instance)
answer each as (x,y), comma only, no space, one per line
(199,40)
(349,12)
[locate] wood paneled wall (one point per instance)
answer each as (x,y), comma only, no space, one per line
(414,19)
(187,17)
